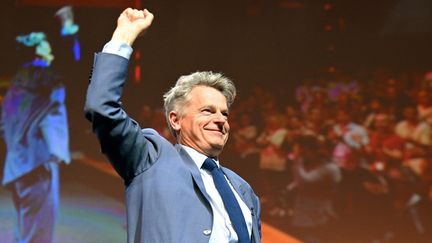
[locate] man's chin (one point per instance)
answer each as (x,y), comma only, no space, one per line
(216,149)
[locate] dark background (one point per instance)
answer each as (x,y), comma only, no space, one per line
(275,44)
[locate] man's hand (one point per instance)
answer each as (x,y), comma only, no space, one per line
(130,24)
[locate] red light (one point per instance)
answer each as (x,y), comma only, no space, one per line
(328,6)
(328,27)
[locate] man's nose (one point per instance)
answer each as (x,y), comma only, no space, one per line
(219,117)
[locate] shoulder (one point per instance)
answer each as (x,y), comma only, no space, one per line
(156,138)
(238,179)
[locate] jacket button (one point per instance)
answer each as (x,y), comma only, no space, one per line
(207,232)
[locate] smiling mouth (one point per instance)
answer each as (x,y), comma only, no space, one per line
(218,131)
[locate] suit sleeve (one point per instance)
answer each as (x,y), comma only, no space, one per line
(120,137)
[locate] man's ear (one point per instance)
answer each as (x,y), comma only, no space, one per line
(174,119)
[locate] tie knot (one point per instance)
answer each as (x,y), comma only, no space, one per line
(209,164)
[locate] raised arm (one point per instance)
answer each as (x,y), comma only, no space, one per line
(121,138)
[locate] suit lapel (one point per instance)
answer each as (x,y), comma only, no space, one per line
(237,187)
(193,170)
(241,191)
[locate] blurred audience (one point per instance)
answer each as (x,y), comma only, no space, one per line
(315,179)
(347,161)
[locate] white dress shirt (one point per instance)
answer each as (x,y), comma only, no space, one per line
(118,48)
(223,230)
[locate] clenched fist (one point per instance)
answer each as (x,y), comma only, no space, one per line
(130,24)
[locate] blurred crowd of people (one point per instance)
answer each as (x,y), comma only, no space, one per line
(348,160)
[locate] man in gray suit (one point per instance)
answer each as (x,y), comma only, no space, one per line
(172,192)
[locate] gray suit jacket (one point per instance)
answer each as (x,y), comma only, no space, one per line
(165,196)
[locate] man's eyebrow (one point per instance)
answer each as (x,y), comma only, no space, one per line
(207,106)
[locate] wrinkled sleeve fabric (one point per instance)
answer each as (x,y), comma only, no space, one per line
(128,148)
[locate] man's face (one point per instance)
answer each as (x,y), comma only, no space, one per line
(203,122)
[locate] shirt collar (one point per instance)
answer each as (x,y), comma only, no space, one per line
(197,157)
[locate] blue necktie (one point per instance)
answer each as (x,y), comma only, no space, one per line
(229,200)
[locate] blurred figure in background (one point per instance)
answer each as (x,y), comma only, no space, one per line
(34,123)
(423,133)
(424,102)
(352,138)
(35,129)
(272,161)
(315,181)
(246,148)
(385,147)
(405,128)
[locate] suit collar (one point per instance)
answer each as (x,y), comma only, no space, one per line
(240,189)
(235,182)
(198,180)
(193,169)
(196,156)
